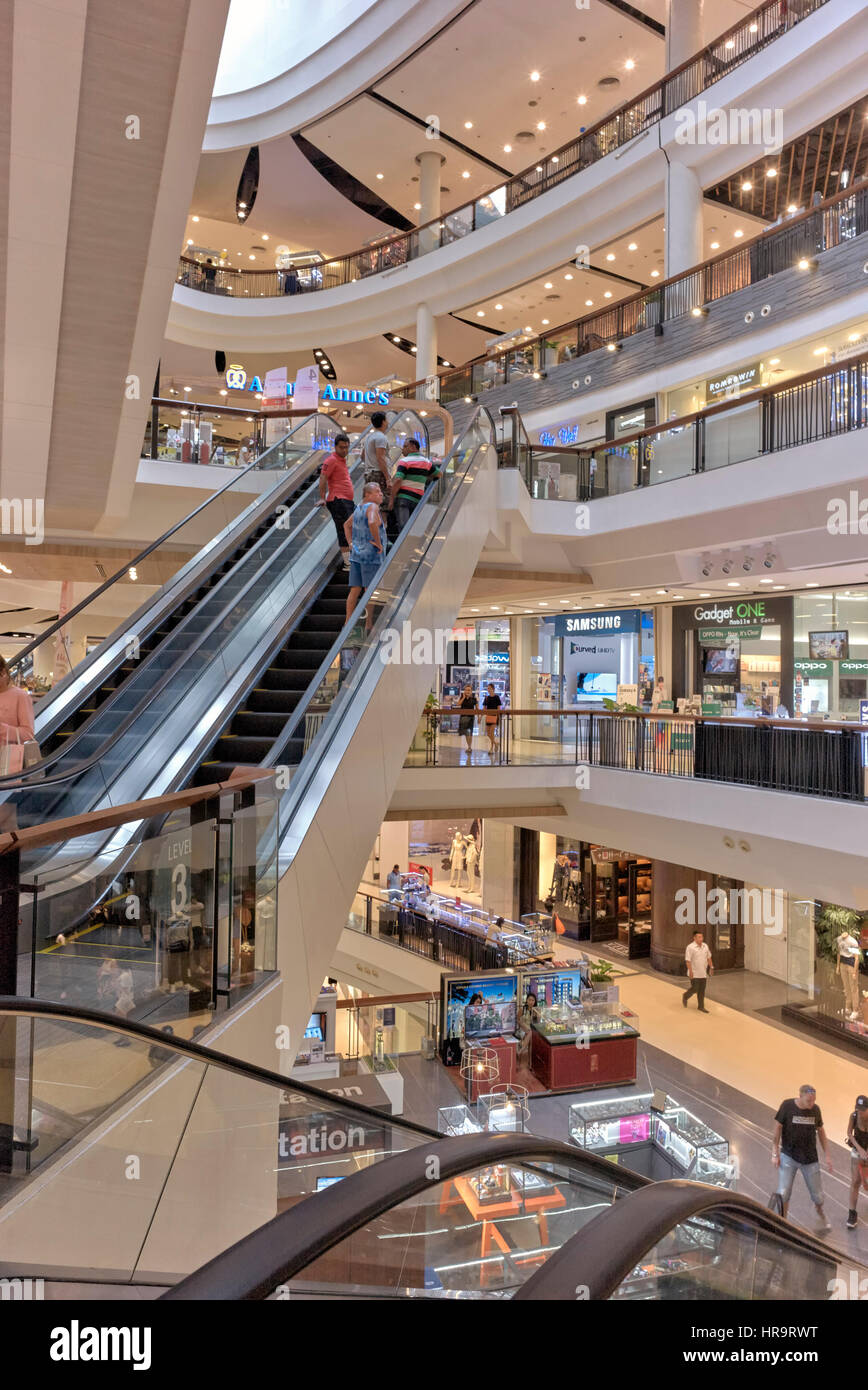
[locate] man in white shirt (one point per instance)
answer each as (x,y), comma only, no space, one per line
(699,967)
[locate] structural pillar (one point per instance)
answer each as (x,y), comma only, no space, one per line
(684,31)
(430,163)
(669,938)
(683,237)
(426,342)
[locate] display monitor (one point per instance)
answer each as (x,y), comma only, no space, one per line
(556,986)
(596,683)
(316,1028)
(480,1007)
(829,646)
(719,661)
(852,688)
(329,1182)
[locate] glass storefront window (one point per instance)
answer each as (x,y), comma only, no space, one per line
(827,684)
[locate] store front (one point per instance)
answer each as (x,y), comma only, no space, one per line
(581,660)
(598,893)
(831,651)
(478,655)
(737,655)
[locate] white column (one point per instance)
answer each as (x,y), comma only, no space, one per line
(426,342)
(683,218)
(684,31)
(430,163)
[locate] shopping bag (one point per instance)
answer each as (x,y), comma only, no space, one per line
(32,752)
(559,926)
(11,756)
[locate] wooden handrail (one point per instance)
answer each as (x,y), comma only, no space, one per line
(750,720)
(531,169)
(70,827)
(365,1000)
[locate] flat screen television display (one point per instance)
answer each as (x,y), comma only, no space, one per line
(556,987)
(719,661)
(316,1028)
(852,688)
(596,683)
(829,646)
(322,1183)
(481,1008)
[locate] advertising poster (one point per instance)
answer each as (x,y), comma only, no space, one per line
(306,394)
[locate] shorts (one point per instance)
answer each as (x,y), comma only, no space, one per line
(341,509)
(809,1171)
(363,573)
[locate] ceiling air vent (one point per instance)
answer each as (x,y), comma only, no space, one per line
(524,137)
(550,298)
(607,83)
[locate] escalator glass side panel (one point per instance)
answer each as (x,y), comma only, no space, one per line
(720,1257)
(478,1235)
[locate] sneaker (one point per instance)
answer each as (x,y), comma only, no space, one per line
(852,1220)
(705,1011)
(823,1227)
(684,1000)
(345,563)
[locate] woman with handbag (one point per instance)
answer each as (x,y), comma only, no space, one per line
(16,723)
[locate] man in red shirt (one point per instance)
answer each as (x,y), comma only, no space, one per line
(336,491)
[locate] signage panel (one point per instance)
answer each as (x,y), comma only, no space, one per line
(624,620)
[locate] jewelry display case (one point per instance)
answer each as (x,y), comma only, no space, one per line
(457,1119)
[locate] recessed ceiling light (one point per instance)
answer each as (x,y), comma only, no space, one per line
(381,176)
(589,303)
(498,306)
(417,207)
(818,352)
(529,329)
(446,364)
(555,159)
(766,581)
(637,594)
(414,349)
(632,246)
(540,125)
(629,65)
(495,608)
(608,294)
(224,392)
(195,219)
(583,100)
(610,256)
(251,257)
(773,361)
(746,186)
(654,274)
(715,246)
(568,276)
(480,313)
(543,605)
(265,236)
(465,174)
(599,605)
(738,232)
(813,585)
(853,337)
(705,595)
(660,591)
(188,388)
(779,586)
(534,77)
(733,584)
(548,285)
(395,339)
(468,125)
(771,173)
(507,149)
(546,322)
(189,241)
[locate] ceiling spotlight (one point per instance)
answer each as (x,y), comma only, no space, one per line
(738,233)
(655,274)
(568,276)
(771,173)
(534,77)
(548,285)
(417,207)
(769,560)
(465,173)
(699,311)
(706,569)
(589,303)
(613,347)
(726,567)
(507,149)
(608,294)
(480,313)
(746,186)
(715,246)
(807,263)
(468,125)
(381,176)
(629,65)
(610,256)
(773,361)
(583,101)
(632,246)
(195,219)
(747,564)
(498,306)
(394,339)
(540,125)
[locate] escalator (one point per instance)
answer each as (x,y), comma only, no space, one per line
(228,616)
(256,1187)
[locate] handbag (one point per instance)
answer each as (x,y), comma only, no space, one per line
(32,752)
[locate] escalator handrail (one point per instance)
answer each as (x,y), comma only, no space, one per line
(284,1246)
(148,550)
(16,781)
(445,503)
(604,1253)
(15,1005)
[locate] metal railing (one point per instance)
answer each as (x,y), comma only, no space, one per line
(449,947)
(801,238)
(744,40)
(826,402)
(789,755)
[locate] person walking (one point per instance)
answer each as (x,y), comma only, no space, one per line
(798,1126)
(857,1143)
(209,274)
(336,491)
(465,721)
(410,480)
(365,533)
(699,967)
(492,705)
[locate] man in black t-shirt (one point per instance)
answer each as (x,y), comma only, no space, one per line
(798,1126)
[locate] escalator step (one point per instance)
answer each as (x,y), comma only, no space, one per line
(258,724)
(310,642)
(321,624)
(277,678)
(242,750)
(274,701)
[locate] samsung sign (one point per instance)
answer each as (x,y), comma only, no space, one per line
(625,620)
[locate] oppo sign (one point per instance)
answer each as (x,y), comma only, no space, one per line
(734,613)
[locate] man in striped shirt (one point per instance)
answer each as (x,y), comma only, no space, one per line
(412,476)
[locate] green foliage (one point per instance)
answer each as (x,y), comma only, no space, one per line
(602,972)
(829,923)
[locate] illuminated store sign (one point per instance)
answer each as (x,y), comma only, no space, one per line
(718,388)
(735,614)
(236,380)
(624,621)
(567,434)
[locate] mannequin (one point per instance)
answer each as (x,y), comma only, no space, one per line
(849,958)
(471,856)
(456,858)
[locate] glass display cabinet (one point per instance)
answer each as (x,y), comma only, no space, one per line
(671,1143)
(607,1124)
(457,1119)
(695,1150)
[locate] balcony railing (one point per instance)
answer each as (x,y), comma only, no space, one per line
(747,38)
(819,405)
(807,757)
(800,239)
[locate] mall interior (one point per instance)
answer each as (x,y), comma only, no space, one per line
(357,932)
